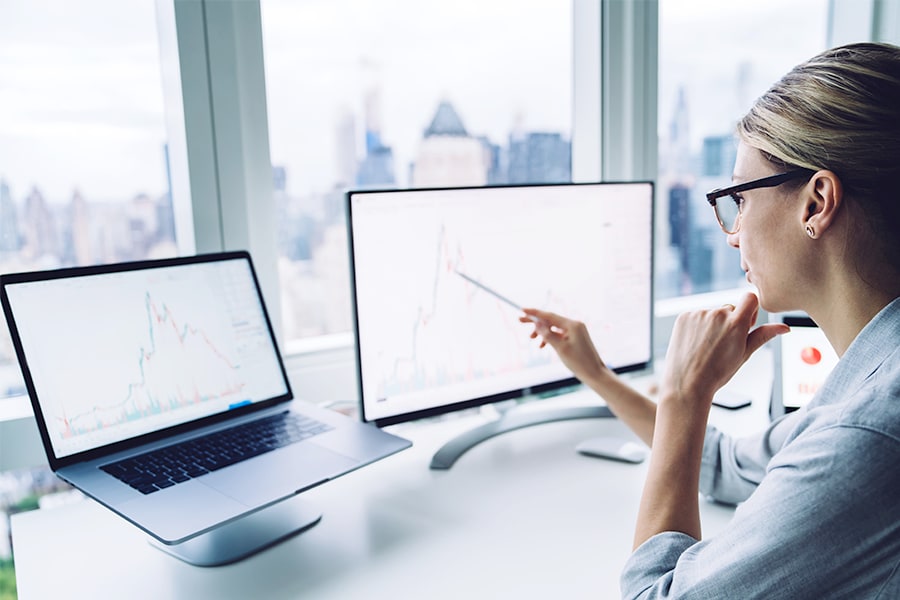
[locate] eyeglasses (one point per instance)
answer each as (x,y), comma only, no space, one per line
(728,211)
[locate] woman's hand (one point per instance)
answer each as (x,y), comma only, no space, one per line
(571,341)
(707,347)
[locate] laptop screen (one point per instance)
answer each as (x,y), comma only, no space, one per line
(118,352)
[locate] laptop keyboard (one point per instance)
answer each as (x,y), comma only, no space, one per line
(159,469)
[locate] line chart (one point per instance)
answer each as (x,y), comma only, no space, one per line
(177,367)
(439,276)
(120,354)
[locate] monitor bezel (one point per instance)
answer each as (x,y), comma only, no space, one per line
(549,387)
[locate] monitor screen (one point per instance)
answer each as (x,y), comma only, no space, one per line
(439,276)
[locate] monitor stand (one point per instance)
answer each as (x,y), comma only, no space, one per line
(508,421)
(245,536)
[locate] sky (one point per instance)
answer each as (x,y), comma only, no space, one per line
(80,98)
(497,62)
(81,104)
(703,44)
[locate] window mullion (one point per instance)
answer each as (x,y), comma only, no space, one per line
(586,84)
(227,134)
(629,67)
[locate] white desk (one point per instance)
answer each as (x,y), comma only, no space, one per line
(519,516)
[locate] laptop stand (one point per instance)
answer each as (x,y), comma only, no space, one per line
(245,536)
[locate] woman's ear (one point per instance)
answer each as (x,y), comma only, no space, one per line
(825,196)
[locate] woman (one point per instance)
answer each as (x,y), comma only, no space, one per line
(815,213)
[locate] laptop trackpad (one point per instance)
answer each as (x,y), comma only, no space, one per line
(278,474)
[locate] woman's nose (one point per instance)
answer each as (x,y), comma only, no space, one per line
(734,239)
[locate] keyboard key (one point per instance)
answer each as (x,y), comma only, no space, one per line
(175,464)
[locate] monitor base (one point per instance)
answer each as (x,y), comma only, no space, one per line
(245,536)
(452,450)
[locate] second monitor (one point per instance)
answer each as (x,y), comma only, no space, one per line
(439,275)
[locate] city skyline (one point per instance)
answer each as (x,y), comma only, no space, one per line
(80,97)
(387,102)
(497,63)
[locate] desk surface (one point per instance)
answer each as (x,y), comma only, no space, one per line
(521,515)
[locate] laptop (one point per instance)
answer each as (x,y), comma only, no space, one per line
(144,377)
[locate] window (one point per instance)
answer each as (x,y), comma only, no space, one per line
(402,94)
(353,88)
(83,148)
(715,58)
(84,168)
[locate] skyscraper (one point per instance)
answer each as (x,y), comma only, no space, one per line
(719,153)
(41,239)
(78,241)
(345,149)
(448,155)
(377,167)
(539,157)
(9,221)
(717,161)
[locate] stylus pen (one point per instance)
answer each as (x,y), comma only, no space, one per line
(493,293)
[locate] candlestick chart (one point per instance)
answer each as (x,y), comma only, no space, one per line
(176,366)
(440,277)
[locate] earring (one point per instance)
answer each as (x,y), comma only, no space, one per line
(810,232)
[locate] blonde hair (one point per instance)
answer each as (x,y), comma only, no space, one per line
(840,111)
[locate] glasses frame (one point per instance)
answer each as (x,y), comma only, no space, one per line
(765,182)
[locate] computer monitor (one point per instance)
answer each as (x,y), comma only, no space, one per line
(438,277)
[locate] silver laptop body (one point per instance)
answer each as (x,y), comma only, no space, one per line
(124,359)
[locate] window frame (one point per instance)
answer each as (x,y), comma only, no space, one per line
(220,56)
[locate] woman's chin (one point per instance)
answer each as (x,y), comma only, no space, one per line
(773,305)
